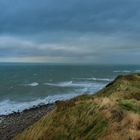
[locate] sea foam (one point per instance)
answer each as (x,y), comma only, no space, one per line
(8,106)
(74,84)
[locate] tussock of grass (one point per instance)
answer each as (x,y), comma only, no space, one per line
(129,106)
(112,114)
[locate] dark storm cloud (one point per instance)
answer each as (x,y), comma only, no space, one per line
(69,15)
(70,30)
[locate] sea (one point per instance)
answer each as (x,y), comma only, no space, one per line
(23,86)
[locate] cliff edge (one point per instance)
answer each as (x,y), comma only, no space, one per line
(111,114)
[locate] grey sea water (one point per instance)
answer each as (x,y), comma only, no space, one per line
(25,85)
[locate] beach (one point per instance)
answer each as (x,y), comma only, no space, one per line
(12,124)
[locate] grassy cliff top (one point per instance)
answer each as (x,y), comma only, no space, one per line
(111,114)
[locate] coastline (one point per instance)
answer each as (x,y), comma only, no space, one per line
(113,113)
(14,123)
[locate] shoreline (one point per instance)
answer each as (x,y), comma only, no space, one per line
(16,122)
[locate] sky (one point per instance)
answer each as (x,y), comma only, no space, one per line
(70,31)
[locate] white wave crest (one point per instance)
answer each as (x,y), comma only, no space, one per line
(8,106)
(74,84)
(61,84)
(95,79)
(137,71)
(121,71)
(34,84)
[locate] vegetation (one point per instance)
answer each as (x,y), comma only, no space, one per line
(111,114)
(130,106)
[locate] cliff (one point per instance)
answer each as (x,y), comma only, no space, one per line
(111,114)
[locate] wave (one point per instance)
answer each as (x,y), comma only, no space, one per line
(125,71)
(74,84)
(102,79)
(121,71)
(8,106)
(95,79)
(34,84)
(137,70)
(61,84)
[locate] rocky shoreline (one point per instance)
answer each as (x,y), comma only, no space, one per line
(12,124)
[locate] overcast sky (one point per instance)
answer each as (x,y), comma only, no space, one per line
(70,31)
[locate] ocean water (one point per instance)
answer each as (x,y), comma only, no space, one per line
(23,86)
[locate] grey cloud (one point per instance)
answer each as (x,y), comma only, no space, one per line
(14,46)
(88,45)
(64,15)
(70,30)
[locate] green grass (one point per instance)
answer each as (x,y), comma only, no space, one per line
(100,127)
(136,85)
(129,106)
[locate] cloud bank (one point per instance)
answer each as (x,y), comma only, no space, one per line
(75,31)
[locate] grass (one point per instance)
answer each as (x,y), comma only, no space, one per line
(81,121)
(129,106)
(94,130)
